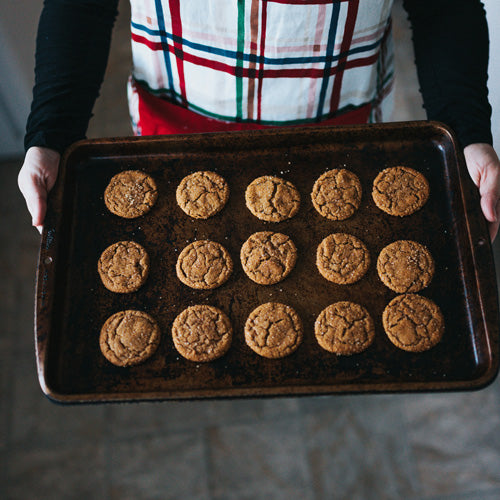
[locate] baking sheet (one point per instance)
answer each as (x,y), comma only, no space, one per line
(72,304)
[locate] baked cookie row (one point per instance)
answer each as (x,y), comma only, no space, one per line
(336,194)
(203,333)
(267,258)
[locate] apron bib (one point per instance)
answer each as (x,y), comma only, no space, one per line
(237,65)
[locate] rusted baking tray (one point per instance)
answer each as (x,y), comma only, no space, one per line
(72,304)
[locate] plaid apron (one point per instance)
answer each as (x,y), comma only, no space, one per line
(237,64)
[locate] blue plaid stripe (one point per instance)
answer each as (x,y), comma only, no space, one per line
(232,54)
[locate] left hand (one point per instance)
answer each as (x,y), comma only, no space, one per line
(484,168)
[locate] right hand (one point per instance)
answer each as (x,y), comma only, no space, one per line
(36,178)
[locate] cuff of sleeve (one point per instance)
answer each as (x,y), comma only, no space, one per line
(466,137)
(56,140)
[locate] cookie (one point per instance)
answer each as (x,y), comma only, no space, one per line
(342,258)
(123,267)
(272,199)
(413,323)
(400,191)
(273,330)
(336,194)
(130,194)
(344,328)
(129,337)
(268,257)
(405,266)
(202,194)
(202,333)
(204,265)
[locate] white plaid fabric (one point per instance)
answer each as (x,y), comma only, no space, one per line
(274,62)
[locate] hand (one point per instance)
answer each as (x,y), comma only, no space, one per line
(36,178)
(484,168)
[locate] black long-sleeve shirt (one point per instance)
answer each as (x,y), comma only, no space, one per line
(451,50)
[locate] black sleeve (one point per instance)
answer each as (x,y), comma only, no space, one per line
(451,50)
(72,50)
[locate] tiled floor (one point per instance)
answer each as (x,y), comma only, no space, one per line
(427,446)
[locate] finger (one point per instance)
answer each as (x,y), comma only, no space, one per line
(39,229)
(37,204)
(489,189)
(490,206)
(35,194)
(493,228)
(38,212)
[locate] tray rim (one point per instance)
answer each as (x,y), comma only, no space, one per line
(480,249)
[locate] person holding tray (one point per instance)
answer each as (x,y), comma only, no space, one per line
(247,64)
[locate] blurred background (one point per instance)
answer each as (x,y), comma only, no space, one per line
(420,446)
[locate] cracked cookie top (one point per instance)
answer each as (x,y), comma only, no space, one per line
(202,333)
(400,191)
(202,194)
(405,266)
(336,194)
(130,194)
(342,258)
(272,199)
(129,337)
(204,264)
(273,330)
(268,257)
(413,323)
(123,267)
(344,328)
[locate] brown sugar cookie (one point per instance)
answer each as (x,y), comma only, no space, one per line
(204,264)
(202,194)
(123,267)
(129,337)
(344,328)
(130,194)
(268,257)
(272,199)
(405,266)
(413,323)
(273,330)
(400,191)
(342,258)
(336,194)
(202,333)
